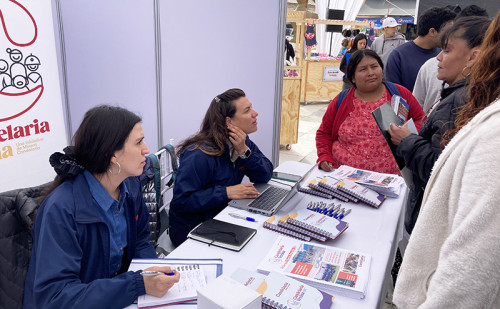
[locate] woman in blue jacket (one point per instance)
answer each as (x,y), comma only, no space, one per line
(94,221)
(213,163)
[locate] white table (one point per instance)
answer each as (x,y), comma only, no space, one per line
(372,231)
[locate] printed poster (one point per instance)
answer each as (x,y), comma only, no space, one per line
(31,114)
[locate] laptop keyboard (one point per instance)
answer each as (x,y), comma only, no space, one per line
(269,198)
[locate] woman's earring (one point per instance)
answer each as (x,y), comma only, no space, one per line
(119,169)
(466,75)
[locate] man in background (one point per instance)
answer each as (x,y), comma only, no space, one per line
(428,87)
(389,40)
(405,61)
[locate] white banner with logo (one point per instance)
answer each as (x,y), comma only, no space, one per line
(31,113)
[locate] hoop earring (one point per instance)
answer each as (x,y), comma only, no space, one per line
(119,169)
(470,70)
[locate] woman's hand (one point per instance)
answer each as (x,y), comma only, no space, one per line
(159,285)
(243,190)
(237,137)
(326,166)
(398,133)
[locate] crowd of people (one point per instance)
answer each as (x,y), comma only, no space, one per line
(93,221)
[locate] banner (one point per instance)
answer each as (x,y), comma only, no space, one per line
(31,114)
(378,20)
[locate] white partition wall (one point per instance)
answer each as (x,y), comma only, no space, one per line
(167,59)
(110,58)
(208,47)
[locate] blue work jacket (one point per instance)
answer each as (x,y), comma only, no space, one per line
(200,185)
(69,266)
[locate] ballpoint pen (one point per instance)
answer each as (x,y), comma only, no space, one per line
(238,216)
(344,214)
(149,273)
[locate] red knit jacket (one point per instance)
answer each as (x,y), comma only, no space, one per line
(328,131)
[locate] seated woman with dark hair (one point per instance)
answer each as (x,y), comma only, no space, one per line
(350,135)
(212,164)
(94,221)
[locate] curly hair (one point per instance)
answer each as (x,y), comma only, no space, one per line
(485,78)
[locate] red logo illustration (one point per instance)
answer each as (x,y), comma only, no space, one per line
(21,85)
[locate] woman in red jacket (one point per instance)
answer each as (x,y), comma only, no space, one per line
(350,135)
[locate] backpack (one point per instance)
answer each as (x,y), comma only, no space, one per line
(157,171)
(393,90)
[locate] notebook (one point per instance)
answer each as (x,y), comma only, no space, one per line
(317,223)
(283,222)
(280,291)
(195,273)
(354,191)
(269,224)
(223,234)
(384,116)
(329,269)
(271,197)
(364,194)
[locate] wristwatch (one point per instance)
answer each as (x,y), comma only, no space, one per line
(246,154)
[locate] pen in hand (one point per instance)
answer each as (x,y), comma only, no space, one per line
(149,273)
(238,216)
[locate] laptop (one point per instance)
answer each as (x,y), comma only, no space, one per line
(272,197)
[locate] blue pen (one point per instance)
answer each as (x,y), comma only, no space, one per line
(238,216)
(149,273)
(334,210)
(344,214)
(336,216)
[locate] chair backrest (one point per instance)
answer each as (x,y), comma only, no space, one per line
(17,215)
(157,180)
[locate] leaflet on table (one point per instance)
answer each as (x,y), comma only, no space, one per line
(279,290)
(387,184)
(332,270)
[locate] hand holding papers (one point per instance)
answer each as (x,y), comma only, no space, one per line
(385,116)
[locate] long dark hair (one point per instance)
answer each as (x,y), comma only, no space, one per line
(357,38)
(356,59)
(213,134)
(484,81)
(103,131)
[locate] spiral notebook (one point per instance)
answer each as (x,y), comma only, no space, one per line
(318,223)
(283,222)
(280,291)
(269,224)
(354,190)
(364,194)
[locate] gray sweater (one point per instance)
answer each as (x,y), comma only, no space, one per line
(383,46)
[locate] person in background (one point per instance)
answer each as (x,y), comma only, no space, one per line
(213,163)
(405,61)
(389,40)
(350,135)
(358,43)
(428,88)
(94,221)
(461,47)
(344,44)
(453,258)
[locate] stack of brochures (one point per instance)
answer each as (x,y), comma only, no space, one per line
(280,291)
(307,225)
(386,184)
(331,270)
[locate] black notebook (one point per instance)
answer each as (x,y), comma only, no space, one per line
(222,234)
